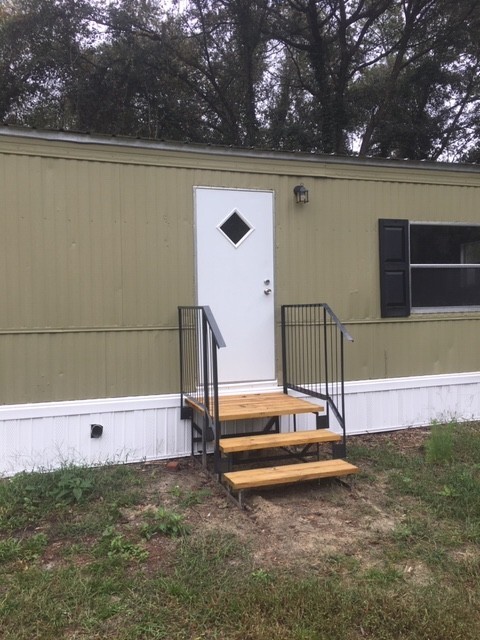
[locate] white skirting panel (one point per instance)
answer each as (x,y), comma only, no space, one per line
(398,403)
(48,435)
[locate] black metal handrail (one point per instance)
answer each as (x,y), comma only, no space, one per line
(200,339)
(313,356)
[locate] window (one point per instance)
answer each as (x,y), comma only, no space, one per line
(428,267)
(235,228)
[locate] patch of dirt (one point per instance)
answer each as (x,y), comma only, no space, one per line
(403,441)
(417,572)
(296,525)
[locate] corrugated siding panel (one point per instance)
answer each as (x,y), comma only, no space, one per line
(70,366)
(143,361)
(103,239)
(51,366)
(412,348)
(157,239)
(61,246)
(93,245)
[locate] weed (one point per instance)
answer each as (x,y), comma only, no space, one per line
(176,491)
(117,546)
(448,492)
(192,498)
(412,531)
(341,563)
(73,485)
(164,522)
(439,445)
(262,576)
(26,550)
(30,498)
(9,549)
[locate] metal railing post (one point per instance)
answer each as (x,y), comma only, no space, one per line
(199,381)
(284,348)
(180,330)
(216,421)
(343,395)
(325,348)
(309,341)
(206,390)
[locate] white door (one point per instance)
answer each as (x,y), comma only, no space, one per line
(234,243)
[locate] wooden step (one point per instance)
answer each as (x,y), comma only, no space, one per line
(288,474)
(259,405)
(272,440)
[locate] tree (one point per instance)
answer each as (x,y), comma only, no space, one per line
(129,84)
(364,61)
(381,77)
(41,44)
(224,61)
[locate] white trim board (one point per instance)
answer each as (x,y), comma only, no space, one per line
(47,435)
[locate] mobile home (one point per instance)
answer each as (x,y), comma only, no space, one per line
(104,238)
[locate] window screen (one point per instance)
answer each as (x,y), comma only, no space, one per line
(444,265)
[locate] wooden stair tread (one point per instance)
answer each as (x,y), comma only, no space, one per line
(272,440)
(259,405)
(288,474)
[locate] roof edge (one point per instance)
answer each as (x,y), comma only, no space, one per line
(81,138)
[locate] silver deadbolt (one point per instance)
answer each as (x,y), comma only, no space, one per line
(267,281)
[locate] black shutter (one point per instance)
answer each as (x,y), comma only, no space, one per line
(394,268)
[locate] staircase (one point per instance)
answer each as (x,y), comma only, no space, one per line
(312,349)
(238,481)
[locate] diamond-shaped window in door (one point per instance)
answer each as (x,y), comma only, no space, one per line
(235,228)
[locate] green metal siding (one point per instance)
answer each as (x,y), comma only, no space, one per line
(97,252)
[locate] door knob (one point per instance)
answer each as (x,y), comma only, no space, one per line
(267,292)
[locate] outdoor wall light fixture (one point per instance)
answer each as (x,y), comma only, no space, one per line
(301,194)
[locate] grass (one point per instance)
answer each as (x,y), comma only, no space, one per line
(439,446)
(75,562)
(94,495)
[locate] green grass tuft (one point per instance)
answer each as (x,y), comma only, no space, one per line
(439,446)
(22,549)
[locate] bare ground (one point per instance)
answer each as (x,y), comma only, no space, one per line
(292,526)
